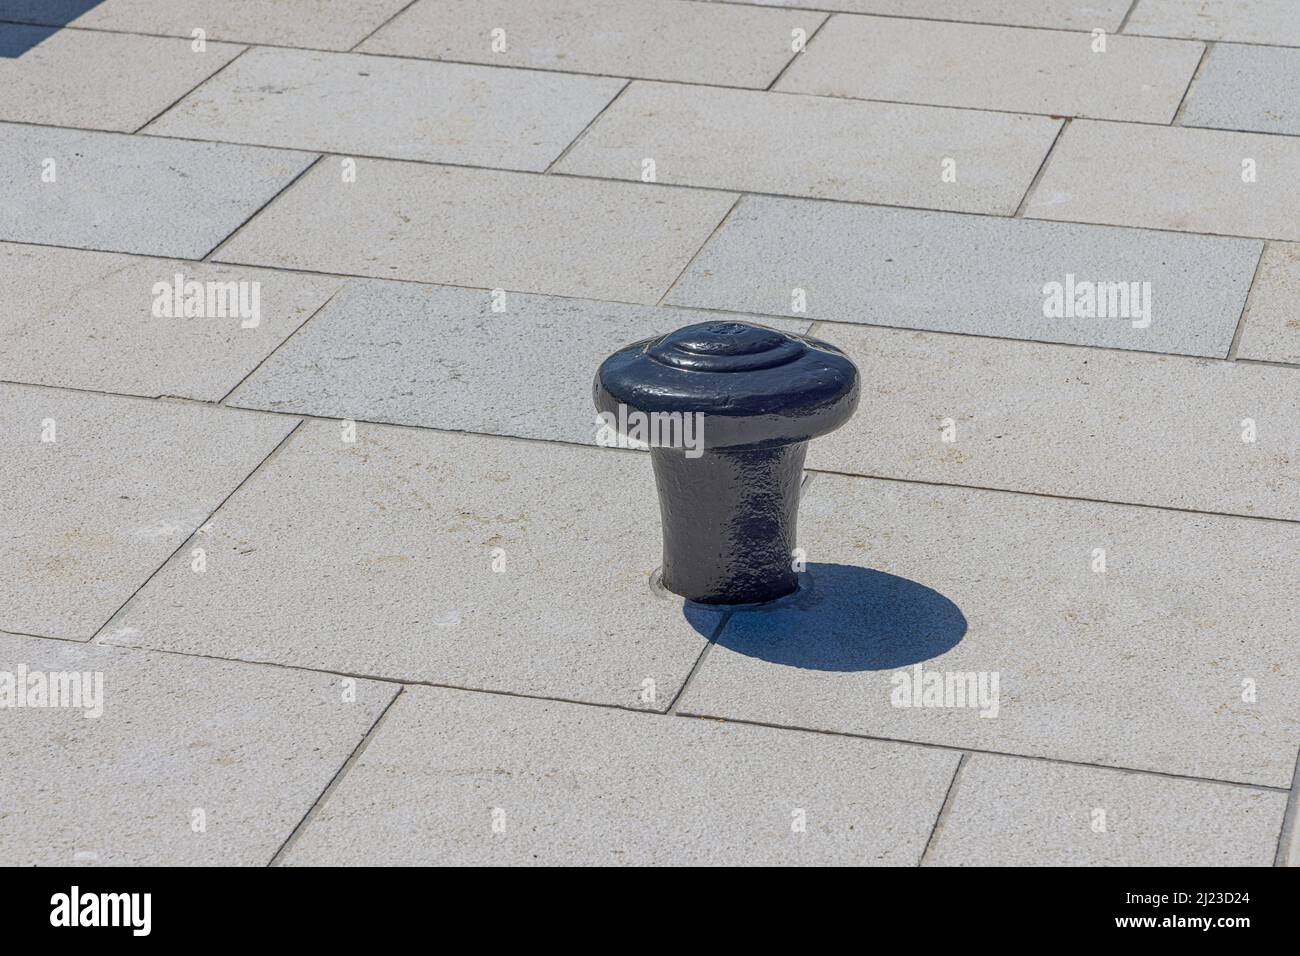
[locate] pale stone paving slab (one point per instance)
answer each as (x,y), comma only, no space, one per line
(331,24)
(191,762)
(428,355)
(995,68)
(1060,14)
(970,274)
(1012,812)
(105,322)
(689,42)
(1247,88)
(1165,177)
(1179,657)
(103,81)
(436,112)
(484,229)
(132,193)
(1271,325)
(98,493)
(458,778)
(1240,21)
(477,562)
(816,147)
(1083,423)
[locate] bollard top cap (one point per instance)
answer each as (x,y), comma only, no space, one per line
(753,385)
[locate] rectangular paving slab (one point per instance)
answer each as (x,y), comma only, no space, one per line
(478,562)
(1246,88)
(689,42)
(189,762)
(1061,14)
(410,354)
(437,112)
(103,490)
(1240,21)
(1005,811)
(458,778)
(862,152)
(996,68)
(1090,632)
(106,81)
(116,323)
(1209,181)
(121,193)
(309,23)
(973,274)
(1085,423)
(1271,325)
(484,229)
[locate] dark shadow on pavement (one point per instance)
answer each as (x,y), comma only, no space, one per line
(31,21)
(846,618)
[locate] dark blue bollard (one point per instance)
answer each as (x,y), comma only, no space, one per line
(734,406)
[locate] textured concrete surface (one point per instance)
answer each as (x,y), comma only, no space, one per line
(1237,184)
(1237,21)
(689,42)
(1059,14)
(408,354)
(1146,665)
(406,530)
(101,490)
(878,266)
(331,24)
(1011,812)
(456,778)
(1246,88)
(329,520)
(996,68)
(1085,423)
(620,241)
(131,193)
(100,321)
(863,152)
(190,762)
(98,81)
(1271,325)
(436,112)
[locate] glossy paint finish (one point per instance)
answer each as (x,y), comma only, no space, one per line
(729,490)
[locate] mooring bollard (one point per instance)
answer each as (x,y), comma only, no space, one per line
(728,409)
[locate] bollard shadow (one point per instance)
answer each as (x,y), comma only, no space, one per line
(844,618)
(28,22)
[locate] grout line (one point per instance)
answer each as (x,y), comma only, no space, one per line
(405,7)
(194,534)
(975,751)
(1191,81)
(1289,835)
(576,445)
(1245,306)
(330,787)
(280,192)
(696,254)
(283,342)
(922,744)
(699,661)
(1127,14)
(791,197)
(795,55)
(943,808)
(583,132)
(1042,167)
(681,307)
(210,76)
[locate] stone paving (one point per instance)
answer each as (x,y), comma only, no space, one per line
(312,555)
